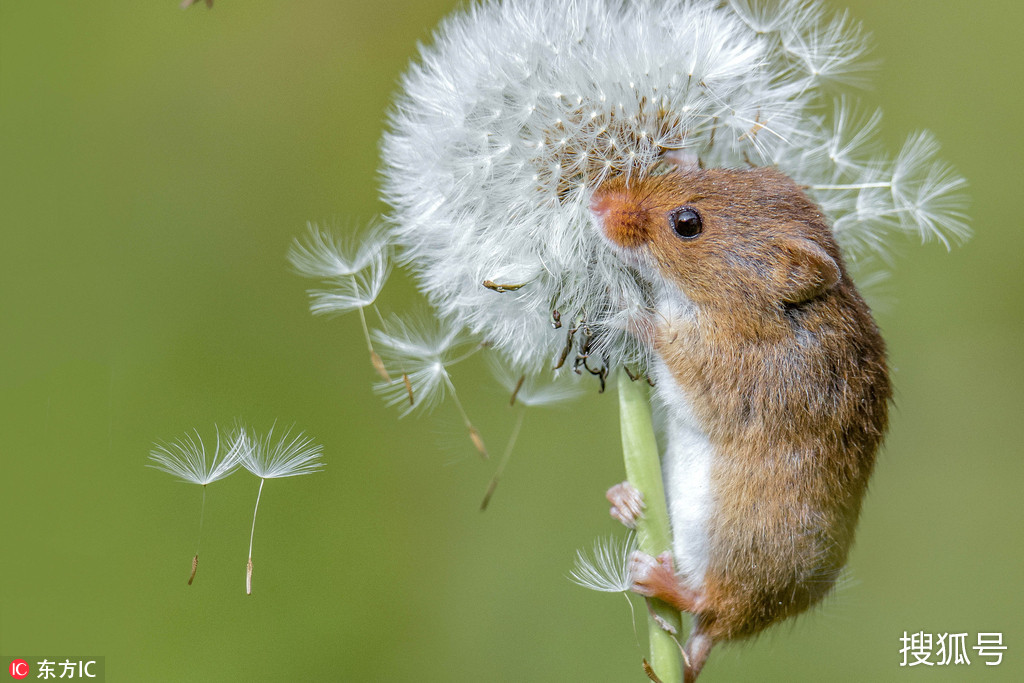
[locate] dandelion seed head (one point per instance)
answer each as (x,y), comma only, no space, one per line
(518,110)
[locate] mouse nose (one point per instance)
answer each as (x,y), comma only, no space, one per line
(622,221)
(599,204)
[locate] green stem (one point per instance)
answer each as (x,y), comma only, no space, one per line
(643,470)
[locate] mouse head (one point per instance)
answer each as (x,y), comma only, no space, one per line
(738,239)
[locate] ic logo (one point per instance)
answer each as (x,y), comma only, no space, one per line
(19,668)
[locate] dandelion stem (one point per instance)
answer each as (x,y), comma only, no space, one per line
(375,359)
(464,356)
(380,318)
(474,434)
(504,460)
(248,566)
(643,469)
(366,330)
(202,511)
(195,558)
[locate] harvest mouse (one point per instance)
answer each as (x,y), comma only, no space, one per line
(772,389)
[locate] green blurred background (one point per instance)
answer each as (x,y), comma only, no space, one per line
(156,165)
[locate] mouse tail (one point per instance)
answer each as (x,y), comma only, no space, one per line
(695,654)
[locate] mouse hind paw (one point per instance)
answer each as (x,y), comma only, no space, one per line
(695,655)
(656,578)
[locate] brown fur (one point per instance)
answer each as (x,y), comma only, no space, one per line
(787,374)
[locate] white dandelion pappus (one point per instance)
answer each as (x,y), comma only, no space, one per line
(290,455)
(520,109)
(322,255)
(355,291)
(925,191)
(186,459)
(606,568)
(826,49)
(868,194)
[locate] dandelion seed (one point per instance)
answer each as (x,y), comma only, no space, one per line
(408,389)
(501,289)
(527,392)
(478,441)
(378,365)
(515,390)
(186,459)
(493,484)
(424,350)
(287,456)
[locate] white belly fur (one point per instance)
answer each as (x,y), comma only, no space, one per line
(686,467)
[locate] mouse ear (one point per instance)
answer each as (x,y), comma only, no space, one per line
(808,270)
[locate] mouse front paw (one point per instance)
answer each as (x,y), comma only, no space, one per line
(627,503)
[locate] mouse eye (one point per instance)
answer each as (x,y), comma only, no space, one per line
(686,222)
